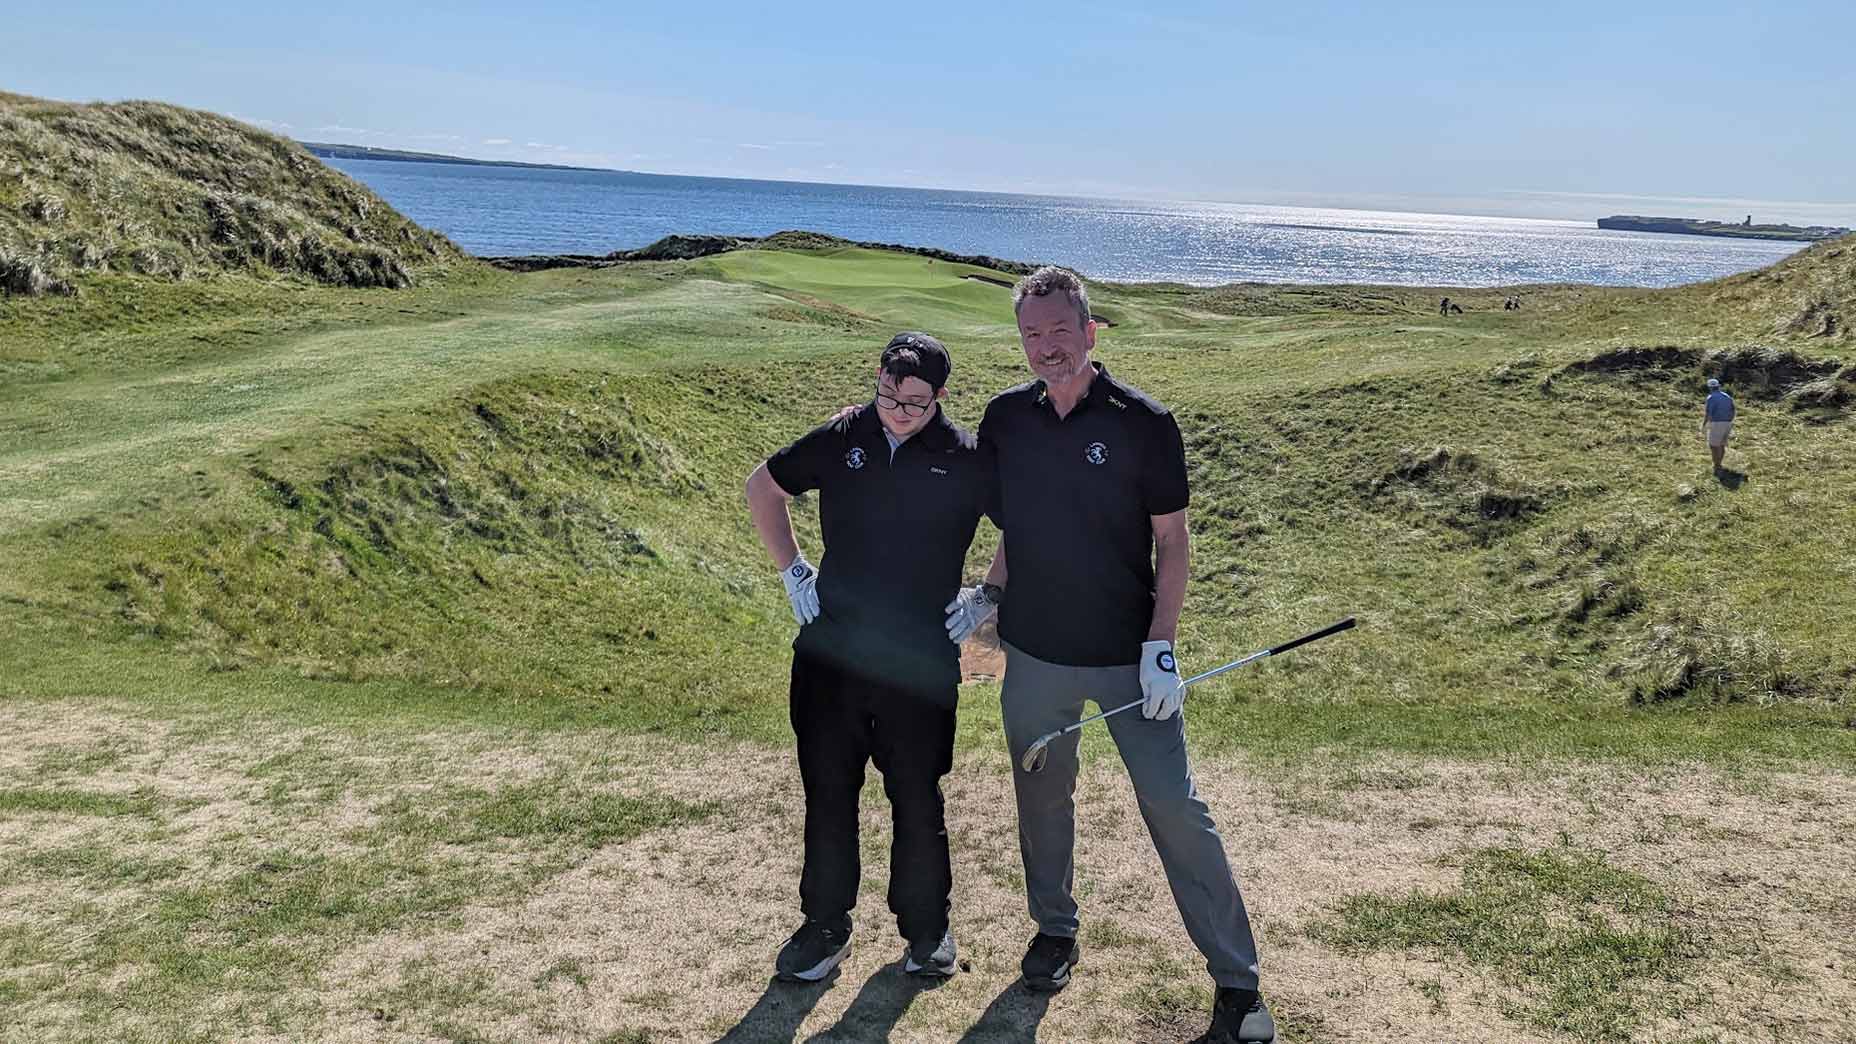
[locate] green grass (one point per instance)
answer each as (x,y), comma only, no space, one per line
(179,194)
(523,493)
(556,810)
(270,914)
(1577,938)
(14,802)
(511,505)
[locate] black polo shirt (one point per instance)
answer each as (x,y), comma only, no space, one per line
(1078,493)
(896,536)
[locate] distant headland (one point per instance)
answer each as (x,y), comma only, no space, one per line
(1744,230)
(328,150)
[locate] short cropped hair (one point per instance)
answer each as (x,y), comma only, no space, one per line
(1051,279)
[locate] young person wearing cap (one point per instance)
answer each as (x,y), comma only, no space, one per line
(901,490)
(1092,482)
(1717,421)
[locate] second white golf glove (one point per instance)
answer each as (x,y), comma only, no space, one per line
(1160,682)
(970,608)
(801,589)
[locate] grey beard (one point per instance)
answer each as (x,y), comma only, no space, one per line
(1069,373)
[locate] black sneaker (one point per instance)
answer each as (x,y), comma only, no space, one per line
(1240,1017)
(931,959)
(1048,962)
(813,951)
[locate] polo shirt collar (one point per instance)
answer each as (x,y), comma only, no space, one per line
(1098,391)
(938,433)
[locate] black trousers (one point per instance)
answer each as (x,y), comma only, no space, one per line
(843,720)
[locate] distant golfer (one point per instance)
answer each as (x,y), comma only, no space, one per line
(1717,421)
(1092,481)
(901,490)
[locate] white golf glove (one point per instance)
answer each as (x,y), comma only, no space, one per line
(970,608)
(1160,682)
(801,589)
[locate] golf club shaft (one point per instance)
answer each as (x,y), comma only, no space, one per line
(1232,666)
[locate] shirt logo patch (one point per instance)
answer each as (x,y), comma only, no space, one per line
(855,458)
(938,471)
(1096,453)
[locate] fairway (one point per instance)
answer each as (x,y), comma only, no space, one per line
(401,665)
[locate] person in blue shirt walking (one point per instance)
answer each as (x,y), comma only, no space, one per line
(1717,421)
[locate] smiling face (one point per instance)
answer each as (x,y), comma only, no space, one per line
(895,400)
(1057,340)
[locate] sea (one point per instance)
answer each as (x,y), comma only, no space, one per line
(500,211)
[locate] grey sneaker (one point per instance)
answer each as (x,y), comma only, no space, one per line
(1240,1017)
(813,951)
(1048,962)
(931,959)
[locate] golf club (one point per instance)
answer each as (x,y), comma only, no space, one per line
(1039,751)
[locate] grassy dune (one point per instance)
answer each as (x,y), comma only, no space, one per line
(400,664)
(174,193)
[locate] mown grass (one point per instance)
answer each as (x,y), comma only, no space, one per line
(185,916)
(17,801)
(1575,937)
(557,810)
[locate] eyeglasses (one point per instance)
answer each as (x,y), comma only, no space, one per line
(909,409)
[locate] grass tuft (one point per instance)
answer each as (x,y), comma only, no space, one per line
(1582,941)
(15,801)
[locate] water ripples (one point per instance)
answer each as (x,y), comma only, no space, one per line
(509,210)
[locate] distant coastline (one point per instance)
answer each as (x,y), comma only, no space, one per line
(329,150)
(1743,230)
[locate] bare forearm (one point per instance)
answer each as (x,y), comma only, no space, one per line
(767,505)
(995,573)
(1172,564)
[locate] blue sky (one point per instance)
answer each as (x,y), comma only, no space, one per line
(1567,110)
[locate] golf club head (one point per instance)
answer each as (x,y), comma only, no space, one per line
(1036,755)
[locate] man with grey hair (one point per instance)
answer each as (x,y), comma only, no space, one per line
(1093,490)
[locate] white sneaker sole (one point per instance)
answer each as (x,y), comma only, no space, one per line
(1050,985)
(934,971)
(819,970)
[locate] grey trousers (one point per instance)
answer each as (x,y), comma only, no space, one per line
(1039,698)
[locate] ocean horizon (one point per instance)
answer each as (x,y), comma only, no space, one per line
(502,211)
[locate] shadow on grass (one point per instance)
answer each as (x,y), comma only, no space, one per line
(878,1006)
(1729,478)
(1011,1018)
(776,1016)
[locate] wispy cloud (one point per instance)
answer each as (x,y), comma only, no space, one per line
(496,141)
(276,125)
(750,145)
(799,144)
(336,128)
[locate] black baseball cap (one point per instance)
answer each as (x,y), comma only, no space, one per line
(935,363)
